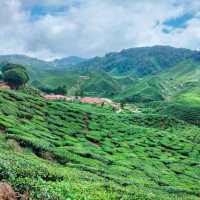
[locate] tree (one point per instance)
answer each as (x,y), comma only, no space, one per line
(61,90)
(79,92)
(1,76)
(9,66)
(122,104)
(15,75)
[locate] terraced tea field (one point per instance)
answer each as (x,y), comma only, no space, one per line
(61,150)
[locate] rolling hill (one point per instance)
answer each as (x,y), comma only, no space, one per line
(61,150)
(137,74)
(58,150)
(68,61)
(140,61)
(36,68)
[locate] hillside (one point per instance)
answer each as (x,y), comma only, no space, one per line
(167,84)
(60,150)
(139,61)
(121,72)
(171,80)
(134,75)
(35,66)
(68,61)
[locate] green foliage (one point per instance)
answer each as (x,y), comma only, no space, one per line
(134,75)
(1,76)
(62,90)
(9,66)
(184,106)
(140,61)
(15,75)
(78,151)
(59,150)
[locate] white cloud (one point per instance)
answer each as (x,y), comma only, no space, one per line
(94,27)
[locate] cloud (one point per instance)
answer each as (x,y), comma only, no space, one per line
(93,27)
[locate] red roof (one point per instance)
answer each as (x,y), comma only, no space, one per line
(54,97)
(91,100)
(82,100)
(4,85)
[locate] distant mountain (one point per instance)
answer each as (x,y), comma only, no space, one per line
(38,68)
(139,61)
(24,60)
(34,66)
(143,74)
(68,61)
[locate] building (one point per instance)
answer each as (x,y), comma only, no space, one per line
(4,85)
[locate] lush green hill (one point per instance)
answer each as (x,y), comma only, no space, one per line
(182,95)
(138,75)
(139,61)
(171,85)
(185,105)
(122,75)
(145,90)
(92,83)
(36,68)
(68,62)
(59,150)
(133,75)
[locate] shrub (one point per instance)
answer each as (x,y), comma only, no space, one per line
(15,75)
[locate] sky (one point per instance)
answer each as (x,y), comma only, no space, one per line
(49,29)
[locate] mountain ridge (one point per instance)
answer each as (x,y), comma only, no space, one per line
(122,75)
(149,149)
(76,59)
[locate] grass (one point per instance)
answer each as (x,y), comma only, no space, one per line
(60,150)
(184,106)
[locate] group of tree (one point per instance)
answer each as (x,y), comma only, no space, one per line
(79,92)
(49,90)
(62,90)
(15,75)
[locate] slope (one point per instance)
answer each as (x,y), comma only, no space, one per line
(92,83)
(139,61)
(100,154)
(183,100)
(68,61)
(135,75)
(36,68)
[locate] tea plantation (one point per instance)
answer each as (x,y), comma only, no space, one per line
(55,150)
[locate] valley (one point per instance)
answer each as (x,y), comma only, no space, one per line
(61,137)
(100,100)
(71,150)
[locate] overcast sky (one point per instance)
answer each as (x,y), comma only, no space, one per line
(58,28)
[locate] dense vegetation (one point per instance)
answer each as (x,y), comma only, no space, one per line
(116,75)
(139,61)
(15,75)
(60,150)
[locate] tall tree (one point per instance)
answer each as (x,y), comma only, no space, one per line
(15,75)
